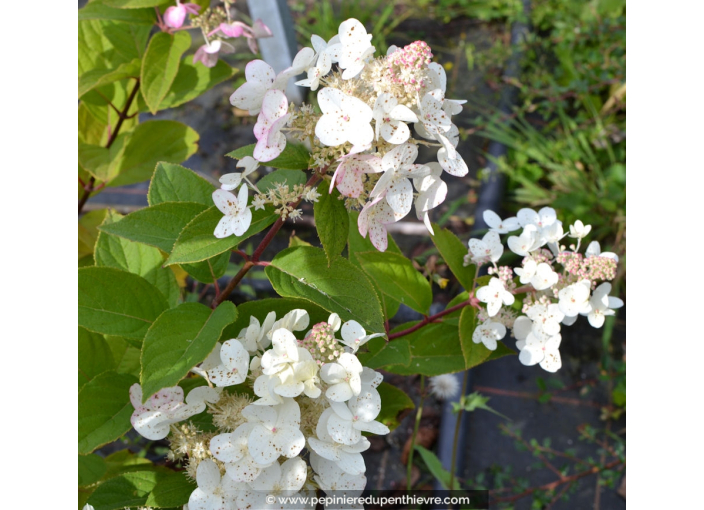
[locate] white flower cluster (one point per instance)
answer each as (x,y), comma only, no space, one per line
(238,214)
(312,393)
(366,107)
(553,298)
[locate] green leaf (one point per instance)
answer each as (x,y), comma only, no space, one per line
(331,220)
(124,461)
(435,350)
(453,251)
(290,177)
(474,354)
(303,272)
(194,79)
(99,10)
(160,65)
(91,468)
(294,156)
(180,339)
(98,77)
(101,162)
(501,351)
(158,225)
(137,258)
(382,353)
(208,270)
(114,302)
(152,142)
(397,279)
(435,466)
(126,355)
(94,356)
(261,307)
(174,183)
(171,490)
(393,402)
(126,490)
(104,410)
(476,400)
(105,44)
(357,244)
(197,242)
(88,231)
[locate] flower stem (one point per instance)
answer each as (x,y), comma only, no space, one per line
(419,413)
(472,301)
(453,465)
(254,259)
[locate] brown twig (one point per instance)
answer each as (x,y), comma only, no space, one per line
(553,485)
(533,396)
(90,187)
(530,447)
(254,259)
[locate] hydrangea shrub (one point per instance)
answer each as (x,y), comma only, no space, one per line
(278,396)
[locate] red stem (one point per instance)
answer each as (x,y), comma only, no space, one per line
(254,259)
(472,301)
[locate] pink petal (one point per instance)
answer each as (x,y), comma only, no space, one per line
(192,8)
(175,16)
(233,30)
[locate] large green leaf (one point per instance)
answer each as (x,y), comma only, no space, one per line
(381,353)
(208,270)
(359,244)
(194,79)
(171,490)
(303,272)
(151,142)
(94,356)
(88,231)
(453,251)
(281,306)
(104,410)
(101,162)
(160,65)
(174,183)
(98,77)
(126,354)
(294,156)
(180,339)
(100,10)
(397,279)
(435,350)
(114,302)
(137,258)
(91,468)
(474,354)
(331,221)
(393,402)
(124,491)
(197,241)
(124,461)
(105,44)
(158,225)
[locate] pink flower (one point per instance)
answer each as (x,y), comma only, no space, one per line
(373,218)
(176,15)
(234,29)
(267,130)
(348,175)
(208,53)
